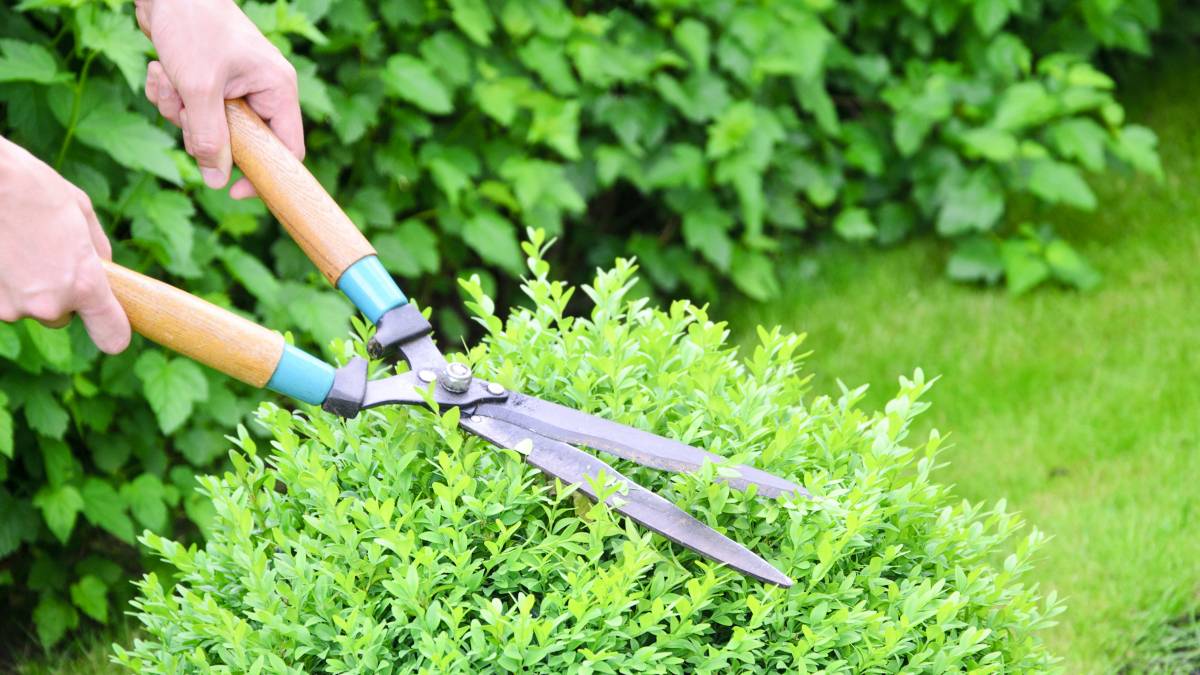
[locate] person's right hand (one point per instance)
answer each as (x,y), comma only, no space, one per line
(51,244)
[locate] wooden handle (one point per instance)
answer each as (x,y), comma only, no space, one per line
(306,210)
(196,328)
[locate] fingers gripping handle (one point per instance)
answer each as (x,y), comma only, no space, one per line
(309,214)
(217,337)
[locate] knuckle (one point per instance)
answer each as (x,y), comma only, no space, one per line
(45,307)
(204,145)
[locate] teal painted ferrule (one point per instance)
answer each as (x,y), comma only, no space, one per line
(302,376)
(371,288)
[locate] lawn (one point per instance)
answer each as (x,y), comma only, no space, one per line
(1083,410)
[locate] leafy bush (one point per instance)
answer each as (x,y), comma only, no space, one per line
(732,127)
(395,543)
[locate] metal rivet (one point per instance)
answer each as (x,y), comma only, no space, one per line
(495,389)
(427,375)
(458,378)
(476,418)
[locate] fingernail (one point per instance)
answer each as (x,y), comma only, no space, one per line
(213,178)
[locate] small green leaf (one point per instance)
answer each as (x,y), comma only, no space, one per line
(976,259)
(91,595)
(53,617)
(26,62)
(1061,183)
(495,240)
(1069,267)
(104,508)
(44,413)
(116,36)
(412,80)
(172,387)
(52,343)
(754,274)
(130,139)
(693,37)
(60,506)
(10,342)
(410,249)
(1023,105)
(145,495)
(990,15)
(854,224)
(474,18)
(993,144)
(59,463)
(162,220)
(1023,267)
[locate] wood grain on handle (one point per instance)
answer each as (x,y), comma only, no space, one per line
(196,328)
(307,212)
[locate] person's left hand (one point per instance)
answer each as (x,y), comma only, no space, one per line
(210,51)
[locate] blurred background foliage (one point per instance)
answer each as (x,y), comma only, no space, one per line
(711,139)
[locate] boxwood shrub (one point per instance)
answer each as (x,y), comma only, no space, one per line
(395,543)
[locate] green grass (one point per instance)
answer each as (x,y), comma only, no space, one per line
(1083,410)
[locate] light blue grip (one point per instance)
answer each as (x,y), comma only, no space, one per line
(302,376)
(371,288)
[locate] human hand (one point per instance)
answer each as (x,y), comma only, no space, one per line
(51,244)
(210,51)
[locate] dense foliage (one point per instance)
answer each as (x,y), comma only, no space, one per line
(396,543)
(701,136)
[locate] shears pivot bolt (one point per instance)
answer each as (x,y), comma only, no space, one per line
(458,378)
(495,389)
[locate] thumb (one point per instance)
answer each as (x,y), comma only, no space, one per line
(206,134)
(102,315)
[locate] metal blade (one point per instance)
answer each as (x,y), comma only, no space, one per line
(572,426)
(574,466)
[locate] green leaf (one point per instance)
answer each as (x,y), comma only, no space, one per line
(1023,267)
(104,508)
(992,144)
(693,37)
(91,595)
(500,99)
(116,36)
(706,230)
(18,522)
(1060,183)
(412,80)
(1138,146)
(162,219)
(53,617)
(990,15)
(6,431)
(974,201)
(54,344)
(548,59)
(678,165)
(145,496)
(754,274)
(474,18)
(60,506)
(1069,267)
(172,387)
(59,463)
(130,139)
(1023,105)
(854,224)
(253,275)
(410,249)
(1080,139)
(555,123)
(26,62)
(494,238)
(44,413)
(976,259)
(10,342)
(452,168)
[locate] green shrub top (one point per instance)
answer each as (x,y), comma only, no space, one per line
(396,543)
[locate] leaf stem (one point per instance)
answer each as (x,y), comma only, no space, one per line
(76,103)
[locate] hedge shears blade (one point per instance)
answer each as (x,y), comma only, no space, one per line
(545,433)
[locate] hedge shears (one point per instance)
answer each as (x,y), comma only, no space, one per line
(544,432)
